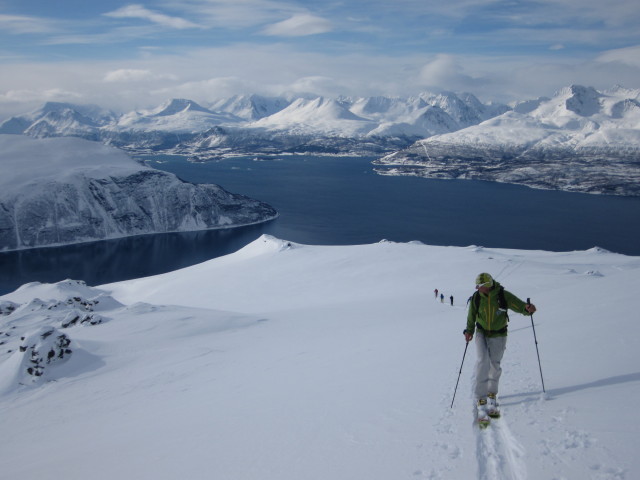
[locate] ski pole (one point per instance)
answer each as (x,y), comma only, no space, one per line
(537,352)
(460,373)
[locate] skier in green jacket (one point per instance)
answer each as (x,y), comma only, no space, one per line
(487,318)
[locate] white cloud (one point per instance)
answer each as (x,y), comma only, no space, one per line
(629,56)
(138,11)
(135,75)
(235,14)
(445,71)
(205,90)
(299,25)
(20,24)
(318,85)
(28,96)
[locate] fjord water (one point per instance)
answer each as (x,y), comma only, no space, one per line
(341,201)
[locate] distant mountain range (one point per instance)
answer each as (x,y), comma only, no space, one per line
(256,124)
(581,139)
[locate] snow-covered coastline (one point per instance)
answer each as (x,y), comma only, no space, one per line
(296,361)
(581,140)
(59,191)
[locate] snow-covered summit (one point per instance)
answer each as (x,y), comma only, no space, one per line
(59,119)
(176,115)
(251,107)
(177,105)
(306,116)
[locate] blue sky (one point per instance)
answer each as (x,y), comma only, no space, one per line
(126,55)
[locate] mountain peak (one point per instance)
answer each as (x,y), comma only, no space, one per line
(177,105)
(583,101)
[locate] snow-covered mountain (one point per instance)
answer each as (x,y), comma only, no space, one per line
(302,123)
(174,116)
(57,119)
(306,116)
(250,107)
(287,361)
(58,191)
(579,140)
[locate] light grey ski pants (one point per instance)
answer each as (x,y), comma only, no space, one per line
(490,351)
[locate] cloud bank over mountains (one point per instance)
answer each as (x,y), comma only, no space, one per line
(113,54)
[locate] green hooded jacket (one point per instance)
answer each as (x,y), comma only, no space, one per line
(489,316)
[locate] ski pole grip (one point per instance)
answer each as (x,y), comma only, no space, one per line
(528,301)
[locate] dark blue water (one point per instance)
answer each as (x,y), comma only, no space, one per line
(332,201)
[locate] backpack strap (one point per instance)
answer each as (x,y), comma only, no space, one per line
(502,300)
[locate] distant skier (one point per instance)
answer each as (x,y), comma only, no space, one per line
(442,298)
(451,298)
(488,313)
(436,292)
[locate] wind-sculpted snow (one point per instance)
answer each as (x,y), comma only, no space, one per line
(62,191)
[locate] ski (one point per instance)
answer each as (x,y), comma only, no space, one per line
(483,423)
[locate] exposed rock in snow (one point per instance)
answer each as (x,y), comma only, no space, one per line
(67,190)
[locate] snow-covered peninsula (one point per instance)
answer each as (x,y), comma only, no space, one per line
(287,361)
(57,191)
(581,140)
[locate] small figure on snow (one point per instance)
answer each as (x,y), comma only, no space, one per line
(436,292)
(442,298)
(451,298)
(488,314)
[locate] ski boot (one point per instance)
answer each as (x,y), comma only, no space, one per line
(483,418)
(492,406)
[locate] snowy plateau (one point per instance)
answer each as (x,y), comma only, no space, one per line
(57,191)
(580,140)
(287,361)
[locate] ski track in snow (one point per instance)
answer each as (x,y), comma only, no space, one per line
(500,456)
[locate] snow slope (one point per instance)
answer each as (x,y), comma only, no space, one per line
(287,361)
